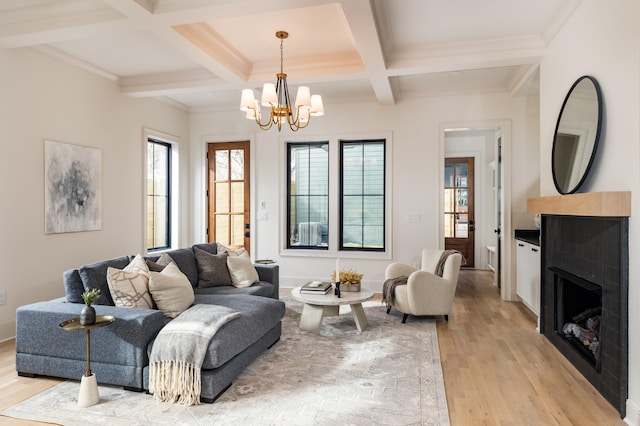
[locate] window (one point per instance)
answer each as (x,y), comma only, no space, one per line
(362,195)
(308,195)
(345,214)
(158,195)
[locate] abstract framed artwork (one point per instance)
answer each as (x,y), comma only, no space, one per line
(73,188)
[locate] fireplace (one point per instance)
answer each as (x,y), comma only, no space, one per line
(578,314)
(584,291)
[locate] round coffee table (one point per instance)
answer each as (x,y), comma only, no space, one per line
(318,306)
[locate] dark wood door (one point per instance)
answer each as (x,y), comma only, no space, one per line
(459,228)
(229,194)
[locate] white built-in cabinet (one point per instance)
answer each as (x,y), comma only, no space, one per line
(528,275)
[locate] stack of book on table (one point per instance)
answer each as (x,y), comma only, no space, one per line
(316,287)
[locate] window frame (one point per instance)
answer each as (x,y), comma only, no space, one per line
(173,181)
(169,196)
(289,148)
(341,197)
(333,250)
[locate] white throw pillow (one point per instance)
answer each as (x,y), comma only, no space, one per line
(242,271)
(171,290)
(129,287)
(139,265)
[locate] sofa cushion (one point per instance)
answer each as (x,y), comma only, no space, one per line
(208,247)
(94,275)
(212,269)
(242,272)
(186,261)
(171,290)
(73,287)
(259,315)
(183,257)
(261,288)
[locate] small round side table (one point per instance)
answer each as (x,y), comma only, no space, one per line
(88,395)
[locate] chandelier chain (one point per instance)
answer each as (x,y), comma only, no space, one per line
(281,56)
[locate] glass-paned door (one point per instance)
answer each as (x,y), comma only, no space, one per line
(459,222)
(228,191)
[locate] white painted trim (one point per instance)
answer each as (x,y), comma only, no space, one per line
(632,417)
(7,330)
(74,61)
(507,277)
(176,193)
(332,251)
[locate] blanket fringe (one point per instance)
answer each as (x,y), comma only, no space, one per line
(175,381)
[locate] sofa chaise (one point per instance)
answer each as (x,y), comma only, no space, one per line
(120,352)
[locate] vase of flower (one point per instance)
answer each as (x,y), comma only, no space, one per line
(351,287)
(350,280)
(88,313)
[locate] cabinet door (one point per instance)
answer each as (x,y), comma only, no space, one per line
(534,270)
(522,269)
(528,275)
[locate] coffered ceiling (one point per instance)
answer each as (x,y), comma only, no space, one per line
(202,53)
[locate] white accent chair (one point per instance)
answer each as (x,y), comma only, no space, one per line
(426,293)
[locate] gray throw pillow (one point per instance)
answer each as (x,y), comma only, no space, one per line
(94,275)
(159,264)
(212,269)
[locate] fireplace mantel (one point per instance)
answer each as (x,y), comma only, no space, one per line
(607,204)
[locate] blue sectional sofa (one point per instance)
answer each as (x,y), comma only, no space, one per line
(120,351)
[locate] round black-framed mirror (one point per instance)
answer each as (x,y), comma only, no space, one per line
(575,140)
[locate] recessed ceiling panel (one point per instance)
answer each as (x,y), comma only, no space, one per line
(424,23)
(318,31)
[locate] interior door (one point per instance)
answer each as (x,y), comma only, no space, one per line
(229,194)
(459,228)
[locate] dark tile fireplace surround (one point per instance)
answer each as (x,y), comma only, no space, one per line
(584,268)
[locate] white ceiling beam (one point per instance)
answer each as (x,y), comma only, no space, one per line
(205,46)
(361,21)
(462,62)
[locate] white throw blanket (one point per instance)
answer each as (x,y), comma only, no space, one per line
(179,350)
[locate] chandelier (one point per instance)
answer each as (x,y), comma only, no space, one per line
(276,98)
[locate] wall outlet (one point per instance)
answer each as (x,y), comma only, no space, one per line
(263,216)
(3,297)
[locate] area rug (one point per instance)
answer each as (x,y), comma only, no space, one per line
(390,374)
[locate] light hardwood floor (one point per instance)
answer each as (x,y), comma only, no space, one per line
(498,370)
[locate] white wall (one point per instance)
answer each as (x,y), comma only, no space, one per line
(415,127)
(602,39)
(43,98)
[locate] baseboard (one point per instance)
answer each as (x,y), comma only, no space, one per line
(633,414)
(7,330)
